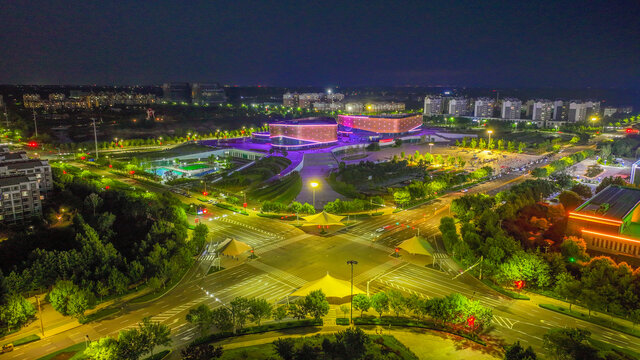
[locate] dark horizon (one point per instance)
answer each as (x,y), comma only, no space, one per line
(545,44)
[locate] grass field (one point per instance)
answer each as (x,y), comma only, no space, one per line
(194,167)
(73,352)
(385,345)
(283,190)
(263,170)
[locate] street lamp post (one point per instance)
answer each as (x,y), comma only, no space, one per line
(314,185)
(489,143)
(351,262)
(430,147)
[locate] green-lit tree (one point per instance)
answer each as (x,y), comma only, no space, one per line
(362,303)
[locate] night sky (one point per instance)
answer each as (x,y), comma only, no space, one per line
(322,43)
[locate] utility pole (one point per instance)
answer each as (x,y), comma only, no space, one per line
(481,259)
(40,313)
(35,123)
(351,262)
(6,116)
(95,136)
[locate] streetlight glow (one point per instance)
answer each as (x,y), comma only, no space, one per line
(314,185)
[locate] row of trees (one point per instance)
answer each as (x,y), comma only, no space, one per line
(15,310)
(340,207)
(117,240)
(453,309)
(293,208)
(131,344)
(242,310)
(596,283)
(499,144)
(427,159)
(561,164)
(438,182)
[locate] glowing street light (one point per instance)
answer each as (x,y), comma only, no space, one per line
(430,147)
(351,262)
(489,132)
(314,185)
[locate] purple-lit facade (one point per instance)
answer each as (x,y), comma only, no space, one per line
(302,133)
(377,127)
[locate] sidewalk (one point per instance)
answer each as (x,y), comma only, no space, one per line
(56,323)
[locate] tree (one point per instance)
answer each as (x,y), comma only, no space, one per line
(500,144)
(397,302)
(380,302)
(67,299)
(131,344)
(515,351)
(521,147)
(634,317)
(362,303)
(539,172)
(93,200)
(297,309)
(155,333)
(16,311)
(284,348)
(574,248)
(316,304)
(105,348)
(259,309)
(222,318)
(280,313)
(570,200)
(239,311)
(118,281)
(569,344)
(583,190)
(345,310)
(610,180)
(200,316)
(401,197)
(351,343)
(568,288)
(201,352)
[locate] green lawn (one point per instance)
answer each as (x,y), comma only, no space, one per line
(24,340)
(194,167)
(385,346)
(77,350)
(283,190)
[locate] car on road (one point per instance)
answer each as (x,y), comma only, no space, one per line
(464,190)
(6,348)
(380,229)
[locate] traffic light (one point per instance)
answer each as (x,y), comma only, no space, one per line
(519,284)
(205,193)
(572,259)
(397,223)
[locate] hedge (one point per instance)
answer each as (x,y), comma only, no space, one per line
(258,329)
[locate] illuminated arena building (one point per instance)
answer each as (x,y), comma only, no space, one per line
(378,126)
(298,134)
(609,222)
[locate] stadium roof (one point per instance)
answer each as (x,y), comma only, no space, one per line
(621,201)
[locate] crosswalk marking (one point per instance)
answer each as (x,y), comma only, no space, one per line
(378,270)
(283,275)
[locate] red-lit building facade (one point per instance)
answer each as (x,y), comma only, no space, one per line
(306,133)
(382,126)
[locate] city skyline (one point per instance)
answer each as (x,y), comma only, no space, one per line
(297,44)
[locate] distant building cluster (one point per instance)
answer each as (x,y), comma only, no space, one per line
(23,185)
(194,93)
(335,102)
(542,112)
(78,100)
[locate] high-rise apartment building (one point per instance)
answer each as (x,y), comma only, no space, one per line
(19,198)
(577,111)
(542,110)
(40,169)
(307,100)
(432,106)
(483,107)
(609,111)
(593,108)
(458,106)
(559,110)
(511,108)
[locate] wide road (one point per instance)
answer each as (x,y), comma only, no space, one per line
(289,258)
